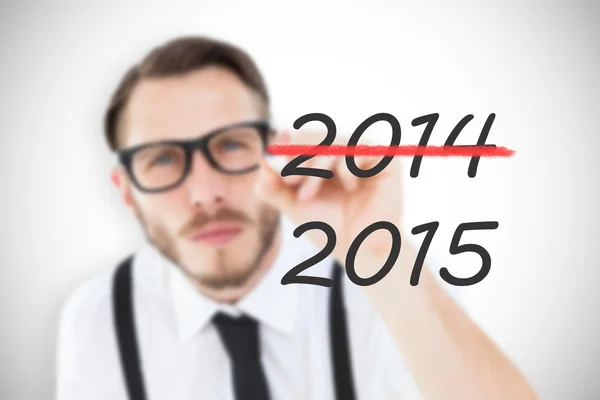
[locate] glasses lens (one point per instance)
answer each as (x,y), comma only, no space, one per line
(237,149)
(158,166)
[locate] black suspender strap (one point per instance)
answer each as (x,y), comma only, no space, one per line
(128,346)
(342,365)
(125,330)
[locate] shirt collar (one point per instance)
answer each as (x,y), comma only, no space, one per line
(269,301)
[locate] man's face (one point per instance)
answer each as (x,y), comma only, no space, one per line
(175,221)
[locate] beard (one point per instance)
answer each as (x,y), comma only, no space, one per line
(227,275)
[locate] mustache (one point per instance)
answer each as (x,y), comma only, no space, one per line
(223,215)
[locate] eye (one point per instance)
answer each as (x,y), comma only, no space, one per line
(231,145)
(164,159)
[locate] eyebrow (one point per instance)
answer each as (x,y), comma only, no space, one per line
(255,121)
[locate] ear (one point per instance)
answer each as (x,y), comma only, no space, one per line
(119,178)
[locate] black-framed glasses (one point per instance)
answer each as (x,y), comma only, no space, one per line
(233,149)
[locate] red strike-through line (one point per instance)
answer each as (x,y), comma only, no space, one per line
(377,150)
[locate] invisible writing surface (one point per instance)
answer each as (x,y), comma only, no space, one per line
(394,149)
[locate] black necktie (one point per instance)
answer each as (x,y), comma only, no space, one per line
(240,337)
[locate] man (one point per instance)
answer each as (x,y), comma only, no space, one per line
(204,313)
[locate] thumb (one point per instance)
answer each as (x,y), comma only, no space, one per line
(271,188)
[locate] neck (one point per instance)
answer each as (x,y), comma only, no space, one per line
(233,295)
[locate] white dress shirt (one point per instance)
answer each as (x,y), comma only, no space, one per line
(182,356)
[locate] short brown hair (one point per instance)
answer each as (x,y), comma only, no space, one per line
(179,56)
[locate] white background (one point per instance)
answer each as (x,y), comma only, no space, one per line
(533,64)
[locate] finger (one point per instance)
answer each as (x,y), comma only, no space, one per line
(346,177)
(390,172)
(305,137)
(270,188)
(367,163)
(283,139)
(279,161)
(364,164)
(292,180)
(268,176)
(311,185)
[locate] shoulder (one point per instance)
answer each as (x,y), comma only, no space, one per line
(86,347)
(86,318)
(92,299)
(89,297)
(87,312)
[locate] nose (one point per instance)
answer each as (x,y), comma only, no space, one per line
(204,183)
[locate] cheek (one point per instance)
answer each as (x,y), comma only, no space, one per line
(241,193)
(166,210)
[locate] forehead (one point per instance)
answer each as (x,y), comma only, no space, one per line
(186,106)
